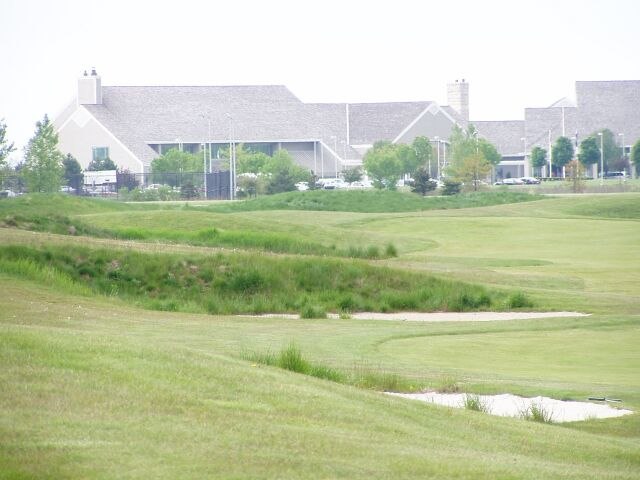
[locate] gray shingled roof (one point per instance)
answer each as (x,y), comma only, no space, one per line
(506,135)
(142,115)
(539,121)
(371,122)
(609,104)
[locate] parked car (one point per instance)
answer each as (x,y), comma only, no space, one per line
(8,194)
(512,181)
(302,186)
(67,189)
(530,180)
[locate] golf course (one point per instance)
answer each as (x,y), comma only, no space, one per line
(188,340)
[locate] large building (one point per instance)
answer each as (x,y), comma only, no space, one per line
(134,125)
(598,105)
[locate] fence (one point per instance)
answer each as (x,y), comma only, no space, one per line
(140,186)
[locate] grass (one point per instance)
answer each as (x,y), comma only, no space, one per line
(475,403)
(95,387)
(371,201)
(536,412)
(244,283)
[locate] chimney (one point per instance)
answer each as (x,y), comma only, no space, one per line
(458,98)
(90,89)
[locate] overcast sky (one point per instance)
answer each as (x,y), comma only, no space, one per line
(513,54)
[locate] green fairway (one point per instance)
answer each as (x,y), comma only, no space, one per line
(93,386)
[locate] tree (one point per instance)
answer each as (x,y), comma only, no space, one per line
(168,168)
(422,182)
(589,151)
(99,164)
(575,172)
(43,168)
(610,149)
(5,147)
(351,175)
(561,152)
(72,172)
(635,155)
(383,165)
(283,173)
(471,170)
(538,157)
(472,157)
(423,150)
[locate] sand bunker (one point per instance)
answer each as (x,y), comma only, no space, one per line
(440,316)
(461,316)
(508,405)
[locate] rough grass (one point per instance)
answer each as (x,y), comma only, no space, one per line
(372,201)
(244,283)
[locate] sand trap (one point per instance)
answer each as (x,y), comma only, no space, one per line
(461,316)
(508,405)
(440,316)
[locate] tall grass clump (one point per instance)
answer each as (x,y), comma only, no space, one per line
(243,283)
(537,412)
(476,403)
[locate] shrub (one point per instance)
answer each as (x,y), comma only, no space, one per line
(519,300)
(475,403)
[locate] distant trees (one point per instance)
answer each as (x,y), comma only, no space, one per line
(43,169)
(589,151)
(472,157)
(99,164)
(422,182)
(561,152)
(538,157)
(351,175)
(635,155)
(383,165)
(72,172)
(5,147)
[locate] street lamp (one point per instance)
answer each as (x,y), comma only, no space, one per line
(437,139)
(601,158)
(525,170)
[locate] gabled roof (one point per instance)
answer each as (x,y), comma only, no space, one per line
(613,104)
(142,115)
(371,122)
(506,135)
(557,120)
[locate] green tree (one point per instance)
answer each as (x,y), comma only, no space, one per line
(351,175)
(635,155)
(422,182)
(589,151)
(561,152)
(168,168)
(283,173)
(382,163)
(471,170)
(43,168)
(5,147)
(538,157)
(97,165)
(423,150)
(72,171)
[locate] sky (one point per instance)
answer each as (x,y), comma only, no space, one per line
(513,54)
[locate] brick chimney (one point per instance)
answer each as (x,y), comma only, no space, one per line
(90,89)
(458,98)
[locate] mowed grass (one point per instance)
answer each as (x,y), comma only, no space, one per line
(95,388)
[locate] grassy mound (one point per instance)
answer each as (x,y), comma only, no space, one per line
(244,283)
(372,201)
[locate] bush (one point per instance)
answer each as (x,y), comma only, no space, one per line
(451,187)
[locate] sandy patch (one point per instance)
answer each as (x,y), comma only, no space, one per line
(439,316)
(507,405)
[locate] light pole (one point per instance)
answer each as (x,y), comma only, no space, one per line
(621,135)
(524,155)
(601,158)
(437,139)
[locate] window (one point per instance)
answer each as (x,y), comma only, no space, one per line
(100,153)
